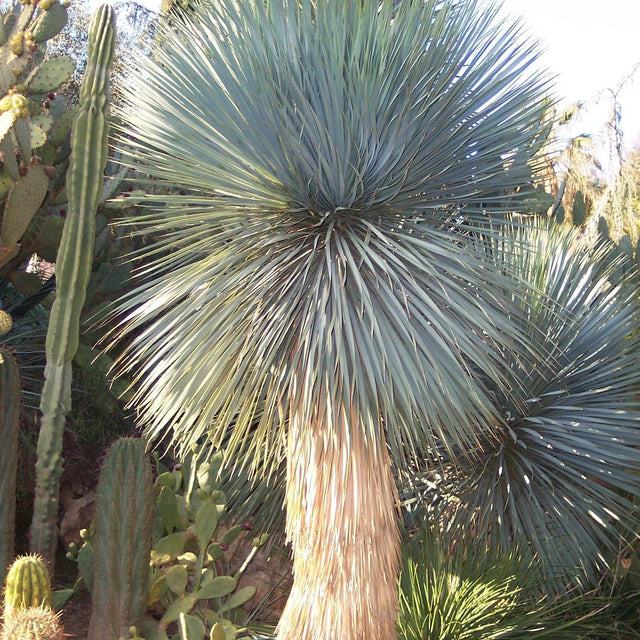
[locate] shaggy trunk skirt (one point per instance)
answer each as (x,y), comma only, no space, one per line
(342,509)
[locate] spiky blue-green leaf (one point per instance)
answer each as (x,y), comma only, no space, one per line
(563,475)
(326,155)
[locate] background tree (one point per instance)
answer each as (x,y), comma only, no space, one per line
(594,177)
(310,292)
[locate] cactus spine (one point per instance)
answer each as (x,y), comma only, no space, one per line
(73,268)
(9,425)
(34,623)
(122,540)
(6,322)
(28,585)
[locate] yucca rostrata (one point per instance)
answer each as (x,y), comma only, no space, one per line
(309,292)
(73,268)
(9,426)
(122,540)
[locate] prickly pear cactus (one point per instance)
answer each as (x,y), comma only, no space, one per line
(122,541)
(28,584)
(73,269)
(28,83)
(34,623)
(9,426)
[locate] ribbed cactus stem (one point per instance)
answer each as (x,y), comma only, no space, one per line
(9,425)
(28,585)
(122,541)
(73,269)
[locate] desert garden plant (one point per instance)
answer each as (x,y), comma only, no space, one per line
(9,430)
(563,475)
(466,592)
(191,580)
(73,269)
(156,555)
(314,290)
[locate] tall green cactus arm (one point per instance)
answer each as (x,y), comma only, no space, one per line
(122,541)
(73,268)
(9,424)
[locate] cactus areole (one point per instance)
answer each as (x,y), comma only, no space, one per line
(73,269)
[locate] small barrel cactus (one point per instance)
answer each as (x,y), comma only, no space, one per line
(28,585)
(33,623)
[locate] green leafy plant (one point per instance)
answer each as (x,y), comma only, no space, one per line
(466,592)
(191,586)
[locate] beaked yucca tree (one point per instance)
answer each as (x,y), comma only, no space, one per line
(563,474)
(308,292)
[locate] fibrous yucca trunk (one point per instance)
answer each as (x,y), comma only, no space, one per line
(342,524)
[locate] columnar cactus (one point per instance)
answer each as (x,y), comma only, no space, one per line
(28,585)
(73,268)
(122,540)
(9,425)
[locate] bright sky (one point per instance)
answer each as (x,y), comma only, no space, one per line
(592,45)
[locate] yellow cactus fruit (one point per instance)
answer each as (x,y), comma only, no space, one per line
(20,105)
(6,322)
(46,4)
(18,101)
(17,43)
(33,623)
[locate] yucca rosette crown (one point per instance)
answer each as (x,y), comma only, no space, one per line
(561,480)
(324,152)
